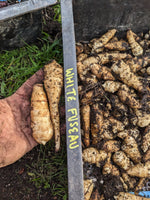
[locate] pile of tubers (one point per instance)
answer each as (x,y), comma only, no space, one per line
(114,93)
(45,105)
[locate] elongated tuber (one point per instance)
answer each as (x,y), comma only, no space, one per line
(141,170)
(40,116)
(137,50)
(98,44)
(88,189)
(91,95)
(146,139)
(109,168)
(126,97)
(130,147)
(90,60)
(112,56)
(83,71)
(137,63)
(85,113)
(96,196)
(97,122)
(101,72)
(93,156)
(81,57)
(123,70)
(140,185)
(130,181)
(143,118)
(53,82)
(117,125)
(121,159)
(111,86)
(111,146)
(107,132)
(79,48)
(146,156)
(119,104)
(117,45)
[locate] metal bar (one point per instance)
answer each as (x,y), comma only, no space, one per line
(23,8)
(74,148)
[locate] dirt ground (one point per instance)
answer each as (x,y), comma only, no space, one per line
(15,183)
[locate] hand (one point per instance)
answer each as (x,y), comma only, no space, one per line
(15,131)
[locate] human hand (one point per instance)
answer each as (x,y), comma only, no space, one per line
(15,131)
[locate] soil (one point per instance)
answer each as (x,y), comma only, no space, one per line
(15,183)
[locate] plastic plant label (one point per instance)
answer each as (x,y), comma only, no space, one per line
(145,191)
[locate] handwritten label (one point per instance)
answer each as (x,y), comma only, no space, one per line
(71,94)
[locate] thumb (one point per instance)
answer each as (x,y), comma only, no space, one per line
(26,89)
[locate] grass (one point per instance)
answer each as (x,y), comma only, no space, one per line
(57,11)
(49,170)
(18,65)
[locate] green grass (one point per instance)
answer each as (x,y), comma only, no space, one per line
(49,171)
(57,11)
(18,65)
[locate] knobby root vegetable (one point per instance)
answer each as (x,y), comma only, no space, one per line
(111,86)
(137,63)
(114,56)
(85,113)
(88,189)
(98,44)
(129,180)
(86,48)
(134,132)
(93,156)
(97,122)
(81,57)
(141,170)
(126,97)
(119,103)
(79,48)
(125,186)
(117,126)
(96,196)
(82,71)
(92,95)
(53,82)
(140,185)
(119,110)
(40,116)
(90,60)
(108,168)
(107,133)
(137,50)
(114,39)
(146,139)
(121,160)
(130,147)
(118,45)
(133,117)
(128,196)
(125,74)
(111,146)
(148,70)
(143,118)
(101,72)
(146,156)
(80,90)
